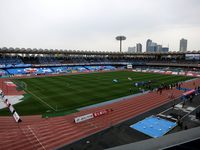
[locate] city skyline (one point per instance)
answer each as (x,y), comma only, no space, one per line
(94,24)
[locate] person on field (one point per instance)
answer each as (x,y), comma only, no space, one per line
(160,91)
(190,98)
(183,103)
(130,90)
(173,105)
(157,90)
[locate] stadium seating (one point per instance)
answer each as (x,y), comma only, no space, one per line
(79,69)
(30,60)
(59,69)
(3,72)
(48,60)
(97,68)
(17,71)
(10,60)
(13,60)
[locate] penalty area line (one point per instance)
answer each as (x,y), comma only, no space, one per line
(41,100)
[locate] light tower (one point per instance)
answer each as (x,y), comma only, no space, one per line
(120,39)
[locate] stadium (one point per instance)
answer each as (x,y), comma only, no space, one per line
(71,99)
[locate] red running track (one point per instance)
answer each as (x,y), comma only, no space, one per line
(37,133)
(9,90)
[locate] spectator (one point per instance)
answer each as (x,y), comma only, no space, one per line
(186,127)
(183,103)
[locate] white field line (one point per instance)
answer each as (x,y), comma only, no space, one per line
(36,137)
(26,89)
(41,100)
(25,85)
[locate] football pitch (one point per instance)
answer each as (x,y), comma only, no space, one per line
(67,93)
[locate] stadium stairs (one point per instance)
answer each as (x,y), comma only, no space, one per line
(35,132)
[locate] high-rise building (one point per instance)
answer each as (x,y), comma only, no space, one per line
(138,47)
(159,48)
(165,49)
(148,43)
(152,48)
(183,45)
(131,49)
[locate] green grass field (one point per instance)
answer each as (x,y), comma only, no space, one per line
(67,93)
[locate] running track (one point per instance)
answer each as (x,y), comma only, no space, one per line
(44,134)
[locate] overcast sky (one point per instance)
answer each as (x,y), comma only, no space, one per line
(94,24)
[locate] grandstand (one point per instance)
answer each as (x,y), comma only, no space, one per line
(40,56)
(35,58)
(69,95)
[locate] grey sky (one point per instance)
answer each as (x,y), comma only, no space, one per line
(94,24)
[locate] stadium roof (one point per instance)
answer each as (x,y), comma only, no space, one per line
(82,52)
